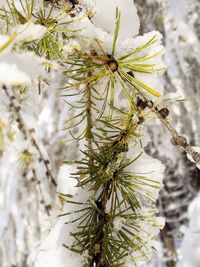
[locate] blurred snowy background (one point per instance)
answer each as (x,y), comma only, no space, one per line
(178,21)
(25,204)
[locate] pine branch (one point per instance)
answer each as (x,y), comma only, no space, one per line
(109,221)
(103,168)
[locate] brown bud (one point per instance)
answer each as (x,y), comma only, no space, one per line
(74,2)
(48,207)
(24,174)
(141,104)
(18,108)
(164,112)
(174,141)
(131,74)
(182,141)
(93,53)
(196,157)
(150,104)
(179,141)
(20,126)
(32,179)
(33,142)
(140,120)
(32,130)
(113,65)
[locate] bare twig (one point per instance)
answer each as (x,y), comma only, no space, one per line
(28,133)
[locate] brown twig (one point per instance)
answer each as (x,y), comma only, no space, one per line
(177,139)
(29,133)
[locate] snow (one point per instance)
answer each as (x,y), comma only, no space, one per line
(148,167)
(118,223)
(11,75)
(66,185)
(45,114)
(129,17)
(196,149)
(52,251)
(190,248)
(16,68)
(30,32)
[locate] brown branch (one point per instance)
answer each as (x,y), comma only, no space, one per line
(29,133)
(177,139)
(169,245)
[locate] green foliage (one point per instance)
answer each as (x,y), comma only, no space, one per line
(57,33)
(110,132)
(104,171)
(102,66)
(111,183)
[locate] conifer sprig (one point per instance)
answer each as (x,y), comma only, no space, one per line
(114,70)
(115,195)
(115,192)
(110,223)
(58,32)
